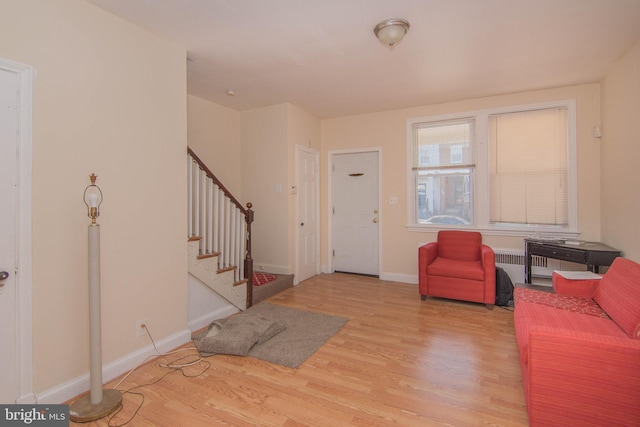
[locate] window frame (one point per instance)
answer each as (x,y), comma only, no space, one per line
(481,201)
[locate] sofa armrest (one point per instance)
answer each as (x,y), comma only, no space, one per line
(596,376)
(582,288)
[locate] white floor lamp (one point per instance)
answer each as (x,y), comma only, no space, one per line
(98,403)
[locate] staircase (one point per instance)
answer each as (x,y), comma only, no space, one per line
(219,236)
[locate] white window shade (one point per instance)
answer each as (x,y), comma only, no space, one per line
(528,168)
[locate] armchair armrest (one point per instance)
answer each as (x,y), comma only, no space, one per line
(597,376)
(426,255)
(488,258)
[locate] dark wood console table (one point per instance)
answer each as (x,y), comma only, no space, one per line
(593,254)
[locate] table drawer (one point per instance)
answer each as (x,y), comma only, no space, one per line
(560,253)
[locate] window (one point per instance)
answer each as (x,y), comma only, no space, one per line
(442,172)
(528,168)
(456,154)
(508,171)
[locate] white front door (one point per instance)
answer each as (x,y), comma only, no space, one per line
(308,183)
(356,213)
(9,84)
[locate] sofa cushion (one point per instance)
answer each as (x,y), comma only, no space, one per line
(471,270)
(618,293)
(529,315)
(563,302)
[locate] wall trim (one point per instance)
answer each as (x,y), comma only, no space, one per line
(411,279)
(206,319)
(76,386)
(271,268)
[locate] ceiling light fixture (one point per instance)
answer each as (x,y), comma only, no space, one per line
(391,31)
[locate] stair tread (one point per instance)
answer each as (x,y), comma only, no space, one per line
(240,282)
(209,255)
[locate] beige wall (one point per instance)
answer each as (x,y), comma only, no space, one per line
(387,130)
(265,165)
(214,134)
(620,154)
(108,98)
(269,139)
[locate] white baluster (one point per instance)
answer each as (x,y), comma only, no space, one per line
(189,196)
(227,234)
(232,237)
(216,218)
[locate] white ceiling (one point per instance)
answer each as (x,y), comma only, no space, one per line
(322,56)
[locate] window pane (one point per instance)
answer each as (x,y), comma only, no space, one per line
(443,144)
(445,197)
(528,167)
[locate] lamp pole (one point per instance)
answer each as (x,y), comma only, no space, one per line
(99,403)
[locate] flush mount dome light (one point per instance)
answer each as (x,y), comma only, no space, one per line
(391,31)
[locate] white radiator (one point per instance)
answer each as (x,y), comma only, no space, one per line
(512,261)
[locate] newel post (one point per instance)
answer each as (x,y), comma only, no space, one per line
(248,261)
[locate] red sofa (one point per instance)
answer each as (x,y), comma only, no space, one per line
(580,356)
(458,266)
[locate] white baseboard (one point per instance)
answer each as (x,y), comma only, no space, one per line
(402,278)
(206,319)
(26,399)
(392,277)
(72,388)
(271,268)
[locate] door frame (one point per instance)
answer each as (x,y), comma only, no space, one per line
(23,278)
(316,154)
(331,154)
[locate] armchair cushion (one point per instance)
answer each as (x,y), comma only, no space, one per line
(471,270)
(459,245)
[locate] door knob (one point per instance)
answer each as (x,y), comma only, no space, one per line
(3,276)
(375,220)
(302,224)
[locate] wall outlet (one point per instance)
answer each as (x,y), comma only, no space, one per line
(140,328)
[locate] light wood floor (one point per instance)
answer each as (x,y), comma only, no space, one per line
(398,361)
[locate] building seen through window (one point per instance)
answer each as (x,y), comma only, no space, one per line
(444,173)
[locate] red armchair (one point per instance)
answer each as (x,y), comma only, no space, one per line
(458,266)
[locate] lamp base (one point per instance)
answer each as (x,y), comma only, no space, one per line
(83,411)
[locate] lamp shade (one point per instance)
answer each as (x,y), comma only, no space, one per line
(391,31)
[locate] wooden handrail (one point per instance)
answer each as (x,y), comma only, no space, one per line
(219,184)
(248,218)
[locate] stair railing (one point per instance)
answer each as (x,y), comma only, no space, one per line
(221,222)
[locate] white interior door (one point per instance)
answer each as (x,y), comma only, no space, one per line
(356,213)
(9,84)
(308,183)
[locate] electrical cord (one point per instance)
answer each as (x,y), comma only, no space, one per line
(173,366)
